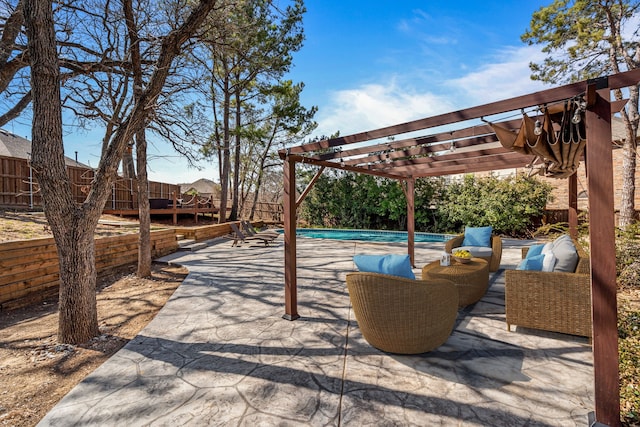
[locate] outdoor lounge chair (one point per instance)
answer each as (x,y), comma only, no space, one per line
(400,315)
(492,253)
(251,231)
(239,236)
(555,301)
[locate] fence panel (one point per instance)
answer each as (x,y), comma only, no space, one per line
(20,190)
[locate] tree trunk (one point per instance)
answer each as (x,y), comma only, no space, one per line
(144,240)
(78,315)
(144,243)
(128,169)
(631,120)
(226,161)
(627,205)
(236,160)
(72,227)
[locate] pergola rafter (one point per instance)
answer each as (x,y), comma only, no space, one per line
(406,158)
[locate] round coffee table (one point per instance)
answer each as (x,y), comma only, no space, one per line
(471,279)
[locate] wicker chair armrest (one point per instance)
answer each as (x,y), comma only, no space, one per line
(455,242)
(525,251)
(496,246)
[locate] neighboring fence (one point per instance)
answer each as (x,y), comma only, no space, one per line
(267,211)
(19,189)
(30,268)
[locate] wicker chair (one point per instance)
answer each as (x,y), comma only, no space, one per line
(496,247)
(404,316)
(550,301)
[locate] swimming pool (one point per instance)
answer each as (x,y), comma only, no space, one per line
(370,235)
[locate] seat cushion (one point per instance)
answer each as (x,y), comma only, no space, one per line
(392,264)
(477,251)
(477,236)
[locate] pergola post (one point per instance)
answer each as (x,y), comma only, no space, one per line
(602,252)
(290,276)
(573,205)
(411,226)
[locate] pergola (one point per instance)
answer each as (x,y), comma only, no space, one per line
(472,146)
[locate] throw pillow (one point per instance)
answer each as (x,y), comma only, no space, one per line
(549,262)
(532,263)
(566,255)
(477,236)
(534,250)
(394,265)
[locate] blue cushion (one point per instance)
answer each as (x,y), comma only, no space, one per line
(477,236)
(531,263)
(395,265)
(534,250)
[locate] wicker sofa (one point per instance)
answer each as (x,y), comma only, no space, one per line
(400,315)
(550,301)
(496,247)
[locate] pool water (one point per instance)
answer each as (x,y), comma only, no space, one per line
(370,235)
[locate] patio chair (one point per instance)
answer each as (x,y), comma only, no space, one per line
(400,315)
(251,231)
(239,236)
(490,251)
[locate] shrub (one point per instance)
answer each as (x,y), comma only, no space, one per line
(628,345)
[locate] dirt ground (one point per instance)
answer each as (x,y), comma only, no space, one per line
(36,371)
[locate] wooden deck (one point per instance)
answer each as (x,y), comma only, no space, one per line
(174,211)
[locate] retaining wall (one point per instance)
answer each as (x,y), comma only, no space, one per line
(29,269)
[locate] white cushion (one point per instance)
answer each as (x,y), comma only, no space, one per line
(566,255)
(478,251)
(549,262)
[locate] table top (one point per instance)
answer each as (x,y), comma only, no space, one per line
(456,268)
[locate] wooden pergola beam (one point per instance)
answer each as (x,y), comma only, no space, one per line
(309,186)
(430,143)
(602,255)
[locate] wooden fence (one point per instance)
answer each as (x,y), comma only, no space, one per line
(19,189)
(29,269)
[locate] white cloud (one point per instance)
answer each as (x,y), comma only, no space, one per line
(373,106)
(507,77)
(376,105)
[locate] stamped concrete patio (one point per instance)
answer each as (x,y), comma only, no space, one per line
(219,353)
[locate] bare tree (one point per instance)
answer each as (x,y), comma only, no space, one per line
(73,224)
(144,241)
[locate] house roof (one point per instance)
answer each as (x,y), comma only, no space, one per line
(15,146)
(202,186)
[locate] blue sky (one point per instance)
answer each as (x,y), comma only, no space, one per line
(368,64)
